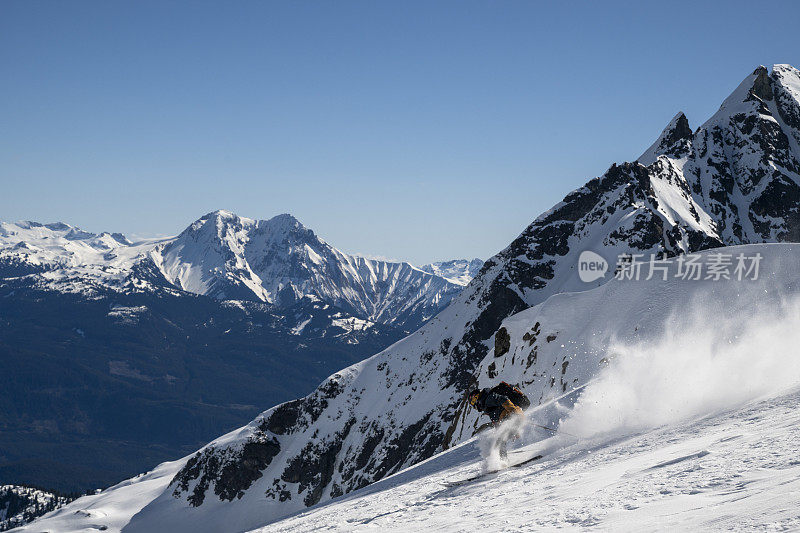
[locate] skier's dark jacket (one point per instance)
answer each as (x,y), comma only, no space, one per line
(494,404)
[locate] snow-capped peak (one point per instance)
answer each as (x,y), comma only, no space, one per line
(284,226)
(227,256)
(460,271)
(756,85)
(284,222)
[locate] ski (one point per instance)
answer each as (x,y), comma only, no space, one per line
(491,472)
(526,461)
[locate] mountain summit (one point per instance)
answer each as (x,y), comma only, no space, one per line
(675,141)
(280,261)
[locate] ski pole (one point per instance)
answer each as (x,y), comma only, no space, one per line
(556,431)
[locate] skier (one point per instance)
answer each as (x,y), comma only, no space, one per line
(500,403)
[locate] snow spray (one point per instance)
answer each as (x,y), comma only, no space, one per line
(708,360)
(490,441)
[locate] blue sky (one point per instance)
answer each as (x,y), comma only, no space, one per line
(414,130)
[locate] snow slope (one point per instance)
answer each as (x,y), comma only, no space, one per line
(109,510)
(734,470)
(658,361)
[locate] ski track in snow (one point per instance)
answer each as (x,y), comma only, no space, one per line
(738,470)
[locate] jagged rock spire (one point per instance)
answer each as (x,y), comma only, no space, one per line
(762,86)
(675,141)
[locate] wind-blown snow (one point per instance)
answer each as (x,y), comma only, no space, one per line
(703,363)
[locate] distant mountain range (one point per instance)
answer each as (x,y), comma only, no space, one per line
(227,257)
(116,354)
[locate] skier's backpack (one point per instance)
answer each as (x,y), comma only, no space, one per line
(513,393)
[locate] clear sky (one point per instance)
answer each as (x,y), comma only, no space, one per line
(413,130)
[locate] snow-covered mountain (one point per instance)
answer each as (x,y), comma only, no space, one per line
(279,261)
(67,259)
(227,257)
(460,271)
(742,164)
(732,181)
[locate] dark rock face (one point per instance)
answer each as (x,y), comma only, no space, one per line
(502,342)
(313,469)
(682,131)
(231,474)
(732,181)
(284,417)
(762,86)
(780,199)
(677,138)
